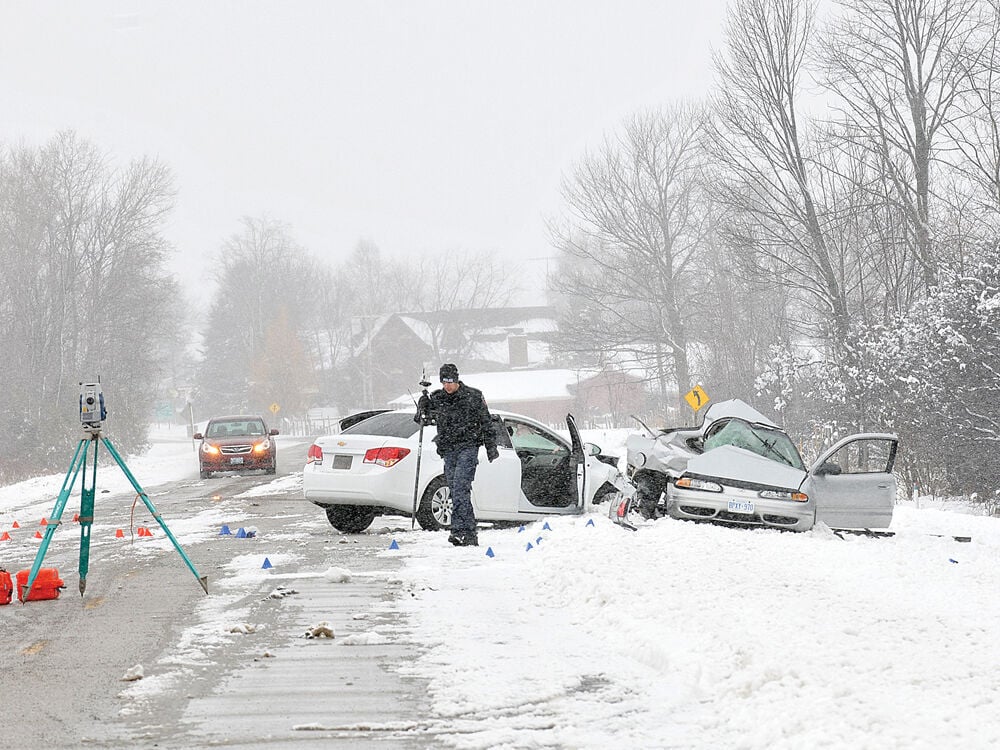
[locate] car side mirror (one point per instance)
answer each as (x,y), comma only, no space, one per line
(829,468)
(591,450)
(272,432)
(197,436)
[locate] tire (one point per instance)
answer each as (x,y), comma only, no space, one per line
(434,511)
(607,492)
(271,470)
(206,474)
(350,519)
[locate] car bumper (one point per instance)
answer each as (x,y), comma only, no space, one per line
(696,505)
(330,487)
(245,462)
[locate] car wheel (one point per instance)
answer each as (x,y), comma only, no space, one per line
(271,470)
(350,519)
(434,511)
(608,493)
(206,474)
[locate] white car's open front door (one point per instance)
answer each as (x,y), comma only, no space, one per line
(852,482)
(579,459)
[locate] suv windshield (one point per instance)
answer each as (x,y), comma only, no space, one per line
(756,438)
(388,424)
(239,428)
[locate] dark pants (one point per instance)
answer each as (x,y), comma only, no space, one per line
(459,471)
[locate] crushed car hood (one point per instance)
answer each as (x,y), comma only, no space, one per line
(730,462)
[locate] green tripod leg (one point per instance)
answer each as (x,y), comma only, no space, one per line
(79,462)
(86,516)
(203,580)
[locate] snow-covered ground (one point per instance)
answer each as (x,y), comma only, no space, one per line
(691,636)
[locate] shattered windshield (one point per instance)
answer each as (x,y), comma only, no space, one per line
(769,443)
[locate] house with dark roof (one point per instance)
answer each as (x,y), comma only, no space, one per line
(593,396)
(390,352)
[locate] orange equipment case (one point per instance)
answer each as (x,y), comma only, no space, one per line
(6,587)
(47,584)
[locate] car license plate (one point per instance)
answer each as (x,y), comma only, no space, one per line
(236,460)
(342,462)
(741,506)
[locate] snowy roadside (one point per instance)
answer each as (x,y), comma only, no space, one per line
(698,636)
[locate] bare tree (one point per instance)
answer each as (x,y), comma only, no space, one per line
(770,173)
(899,68)
(631,242)
(84,289)
(263,276)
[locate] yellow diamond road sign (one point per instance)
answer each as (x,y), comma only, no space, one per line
(696,397)
(275,408)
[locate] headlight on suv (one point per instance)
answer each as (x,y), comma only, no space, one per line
(690,483)
(795,497)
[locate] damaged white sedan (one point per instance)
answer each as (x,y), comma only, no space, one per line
(740,468)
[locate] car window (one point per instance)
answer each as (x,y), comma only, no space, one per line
(239,428)
(527,437)
(763,441)
(388,424)
(864,457)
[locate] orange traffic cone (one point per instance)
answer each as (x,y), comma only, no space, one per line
(76,517)
(5,537)
(44,523)
(15,525)
(38,535)
(119,534)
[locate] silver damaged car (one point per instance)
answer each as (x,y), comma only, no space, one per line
(738,467)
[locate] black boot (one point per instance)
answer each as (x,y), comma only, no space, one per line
(455,538)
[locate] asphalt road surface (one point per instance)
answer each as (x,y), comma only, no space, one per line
(231,669)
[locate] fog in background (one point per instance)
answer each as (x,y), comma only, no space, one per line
(416,126)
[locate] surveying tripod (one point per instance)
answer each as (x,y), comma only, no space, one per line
(78,466)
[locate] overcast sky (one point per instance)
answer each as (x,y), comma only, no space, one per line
(418,126)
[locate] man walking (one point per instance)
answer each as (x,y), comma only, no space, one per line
(463,424)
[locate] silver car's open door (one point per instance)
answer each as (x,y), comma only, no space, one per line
(579,460)
(852,482)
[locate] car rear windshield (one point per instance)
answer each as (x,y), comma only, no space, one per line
(389,424)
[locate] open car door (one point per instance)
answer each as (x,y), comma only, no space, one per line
(852,482)
(579,461)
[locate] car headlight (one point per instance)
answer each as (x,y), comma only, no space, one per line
(262,446)
(795,497)
(690,483)
(639,459)
(210,449)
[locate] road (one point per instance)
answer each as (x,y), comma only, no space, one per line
(231,669)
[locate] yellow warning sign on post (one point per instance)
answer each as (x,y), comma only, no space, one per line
(696,397)
(275,408)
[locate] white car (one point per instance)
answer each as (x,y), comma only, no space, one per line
(370,468)
(741,468)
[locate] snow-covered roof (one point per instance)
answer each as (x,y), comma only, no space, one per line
(512,386)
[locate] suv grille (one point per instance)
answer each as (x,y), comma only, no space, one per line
(230,450)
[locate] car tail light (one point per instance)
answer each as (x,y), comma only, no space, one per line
(386,456)
(315,454)
(262,446)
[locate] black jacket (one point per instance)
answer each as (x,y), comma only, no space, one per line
(462,419)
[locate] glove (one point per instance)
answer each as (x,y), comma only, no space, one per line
(423,410)
(492,453)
